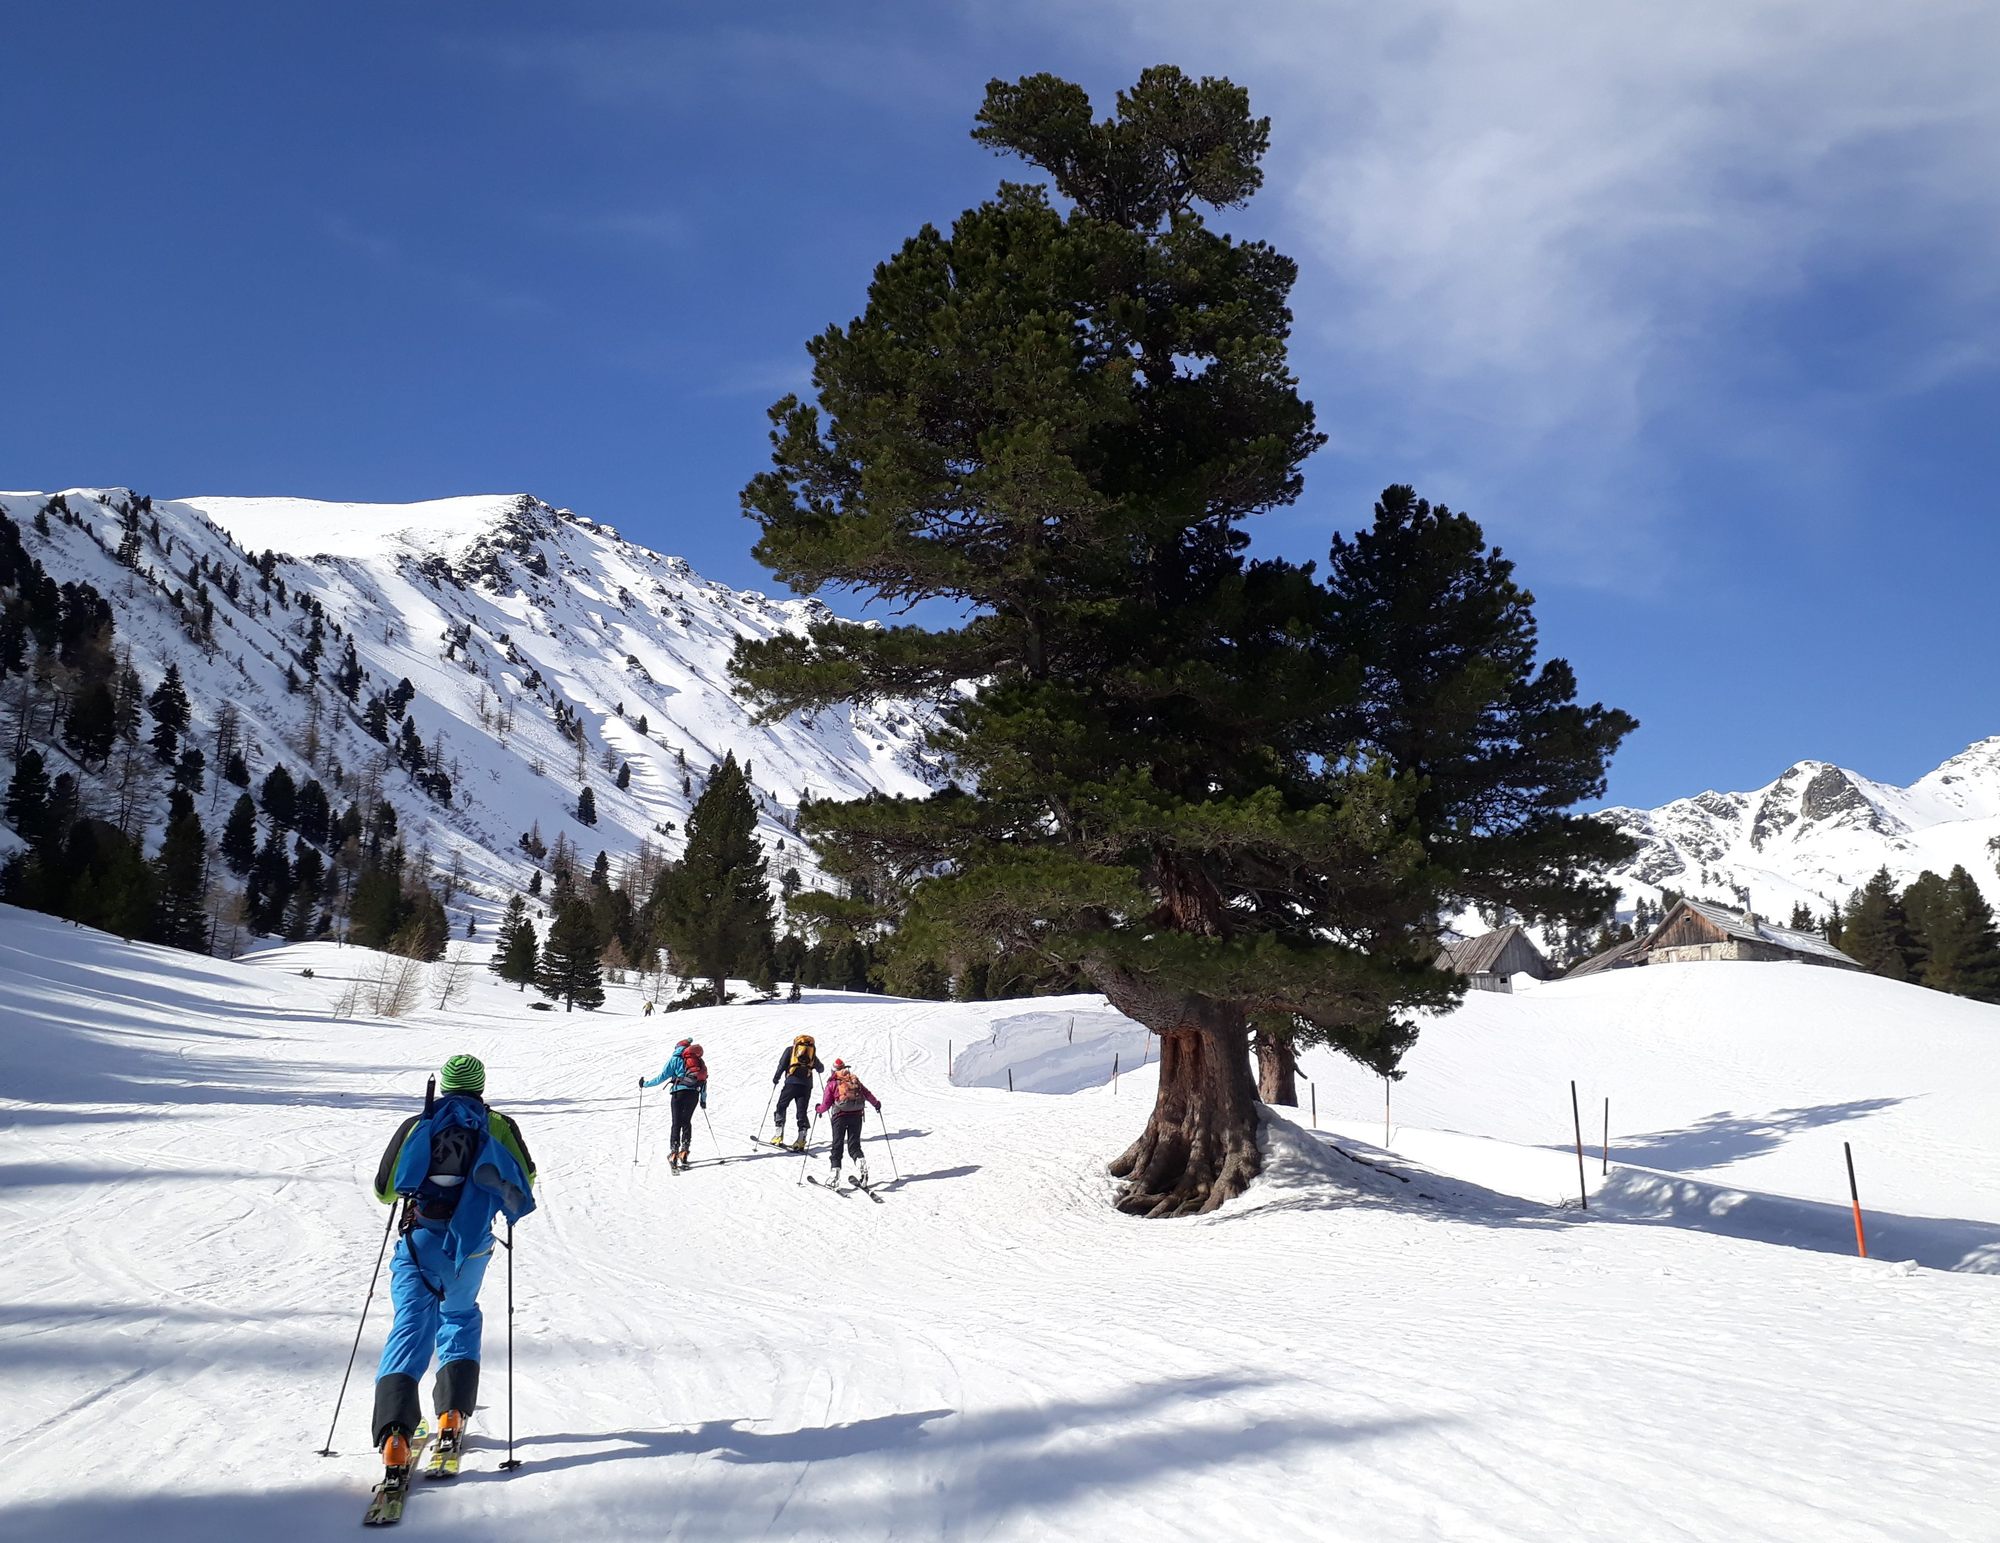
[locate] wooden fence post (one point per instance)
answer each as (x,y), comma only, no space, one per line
(1576,1114)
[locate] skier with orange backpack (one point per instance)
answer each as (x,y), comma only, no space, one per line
(845,1095)
(686,1077)
(795,1069)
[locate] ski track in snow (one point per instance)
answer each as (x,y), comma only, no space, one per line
(186,1147)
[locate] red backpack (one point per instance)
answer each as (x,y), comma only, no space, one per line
(696,1067)
(847,1092)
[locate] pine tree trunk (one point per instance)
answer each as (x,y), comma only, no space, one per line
(1277,1069)
(1199,1148)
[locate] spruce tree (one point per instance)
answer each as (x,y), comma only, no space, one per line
(27,802)
(624,779)
(1873,932)
(1926,904)
(515,956)
(1962,950)
(239,836)
(280,797)
(91,726)
(586,807)
(270,887)
(1802,917)
(713,908)
(181,874)
(1057,420)
(169,706)
(569,971)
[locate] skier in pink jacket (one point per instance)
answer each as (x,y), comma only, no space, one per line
(845,1095)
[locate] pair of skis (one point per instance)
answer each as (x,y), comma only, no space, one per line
(385,1505)
(853,1184)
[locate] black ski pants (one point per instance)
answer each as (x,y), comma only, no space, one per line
(799,1093)
(683,1101)
(847,1128)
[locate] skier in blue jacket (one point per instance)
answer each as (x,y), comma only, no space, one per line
(686,1077)
(456,1166)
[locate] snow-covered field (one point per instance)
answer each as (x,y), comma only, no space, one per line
(1349,1352)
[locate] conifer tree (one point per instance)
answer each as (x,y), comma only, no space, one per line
(169,706)
(713,909)
(1057,421)
(1873,932)
(624,779)
(239,836)
(181,882)
(1802,917)
(27,802)
(91,725)
(313,815)
(515,956)
(569,971)
(270,887)
(280,797)
(1962,950)
(586,807)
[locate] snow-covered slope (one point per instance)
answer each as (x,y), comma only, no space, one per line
(501,612)
(1816,834)
(1369,1353)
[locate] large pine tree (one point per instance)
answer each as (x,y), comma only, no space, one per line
(569,970)
(169,706)
(713,909)
(1962,950)
(1056,420)
(1873,930)
(515,953)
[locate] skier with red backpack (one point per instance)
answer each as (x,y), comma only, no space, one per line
(686,1077)
(845,1095)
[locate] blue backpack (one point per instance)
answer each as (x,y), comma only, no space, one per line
(460,1175)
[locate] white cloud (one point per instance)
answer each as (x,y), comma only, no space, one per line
(1537,229)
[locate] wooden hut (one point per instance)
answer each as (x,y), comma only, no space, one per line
(1490,961)
(1696,931)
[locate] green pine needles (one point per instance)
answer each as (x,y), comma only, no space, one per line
(1201,782)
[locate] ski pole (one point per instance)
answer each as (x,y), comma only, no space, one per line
(639,1130)
(381,1254)
(512,1461)
(805,1157)
(767,1110)
(879,1120)
(711,1133)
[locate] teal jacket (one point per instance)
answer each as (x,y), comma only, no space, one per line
(678,1078)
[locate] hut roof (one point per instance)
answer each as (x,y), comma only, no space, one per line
(1630,952)
(1754,929)
(1482,955)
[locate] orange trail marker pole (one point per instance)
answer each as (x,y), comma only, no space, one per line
(1854,1193)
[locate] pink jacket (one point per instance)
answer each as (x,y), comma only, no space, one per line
(833,1089)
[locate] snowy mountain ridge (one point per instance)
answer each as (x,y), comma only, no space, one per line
(545,652)
(1816,833)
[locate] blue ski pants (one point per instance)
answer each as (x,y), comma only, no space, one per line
(437,1304)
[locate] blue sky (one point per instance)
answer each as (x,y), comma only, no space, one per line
(1693,307)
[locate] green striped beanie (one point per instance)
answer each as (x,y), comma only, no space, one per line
(463,1074)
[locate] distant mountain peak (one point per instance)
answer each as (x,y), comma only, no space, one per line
(1816,833)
